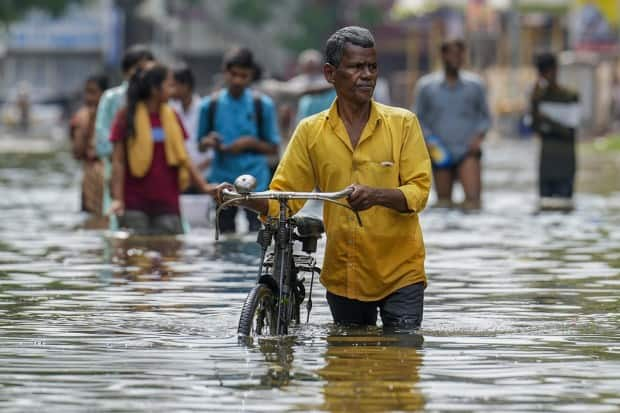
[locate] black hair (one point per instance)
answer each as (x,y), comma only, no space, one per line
(184,75)
(355,35)
(134,55)
(545,61)
(140,87)
(100,80)
(241,57)
(452,42)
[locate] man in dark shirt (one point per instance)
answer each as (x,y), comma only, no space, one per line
(555,117)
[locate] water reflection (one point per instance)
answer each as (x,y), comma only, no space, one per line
(372,373)
(144,258)
(362,370)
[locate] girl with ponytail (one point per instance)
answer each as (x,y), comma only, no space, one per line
(150,165)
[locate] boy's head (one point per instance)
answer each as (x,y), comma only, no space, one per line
(547,65)
(183,84)
(134,57)
(239,70)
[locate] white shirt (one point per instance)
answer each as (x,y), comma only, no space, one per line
(189,118)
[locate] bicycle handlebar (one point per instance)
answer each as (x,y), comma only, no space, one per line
(331,197)
(280,195)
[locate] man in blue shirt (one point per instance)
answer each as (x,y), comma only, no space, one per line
(240,125)
(452,108)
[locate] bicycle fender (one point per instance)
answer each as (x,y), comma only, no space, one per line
(267,280)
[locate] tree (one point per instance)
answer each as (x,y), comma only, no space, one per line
(11,10)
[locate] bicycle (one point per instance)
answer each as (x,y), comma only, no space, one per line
(275,301)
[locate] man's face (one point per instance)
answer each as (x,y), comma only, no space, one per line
(92,93)
(238,78)
(179,90)
(355,77)
(167,87)
(550,75)
(453,58)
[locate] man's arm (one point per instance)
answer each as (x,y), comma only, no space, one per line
(295,173)
(415,173)
(484,119)
(422,107)
(116,182)
(364,197)
(103,123)
(415,167)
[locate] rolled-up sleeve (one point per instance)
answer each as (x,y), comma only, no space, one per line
(415,166)
(422,109)
(294,173)
(103,123)
(484,116)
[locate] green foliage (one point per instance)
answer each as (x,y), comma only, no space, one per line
(370,15)
(316,20)
(11,10)
(255,12)
(315,24)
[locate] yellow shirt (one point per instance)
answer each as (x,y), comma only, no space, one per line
(370,262)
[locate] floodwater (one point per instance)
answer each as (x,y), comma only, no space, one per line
(522,312)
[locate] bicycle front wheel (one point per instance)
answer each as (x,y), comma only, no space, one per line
(259,314)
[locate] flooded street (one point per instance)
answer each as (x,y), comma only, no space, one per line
(522,311)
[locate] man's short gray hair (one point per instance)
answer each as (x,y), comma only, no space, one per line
(355,35)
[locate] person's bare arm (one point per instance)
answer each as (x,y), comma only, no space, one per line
(116,182)
(364,197)
(196,177)
(260,206)
(250,143)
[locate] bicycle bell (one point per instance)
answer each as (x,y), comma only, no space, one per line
(244,184)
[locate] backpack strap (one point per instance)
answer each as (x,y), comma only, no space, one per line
(258,113)
(215,97)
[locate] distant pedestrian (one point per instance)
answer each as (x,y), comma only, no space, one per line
(452,107)
(186,103)
(555,118)
(151,165)
(112,100)
(318,95)
(240,125)
(82,134)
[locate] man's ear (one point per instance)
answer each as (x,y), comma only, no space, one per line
(329,71)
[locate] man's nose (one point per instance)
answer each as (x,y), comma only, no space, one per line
(366,72)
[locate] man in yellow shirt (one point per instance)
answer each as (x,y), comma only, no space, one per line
(379,151)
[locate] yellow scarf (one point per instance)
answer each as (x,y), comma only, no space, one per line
(140,147)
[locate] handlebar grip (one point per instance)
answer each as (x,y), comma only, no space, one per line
(227,194)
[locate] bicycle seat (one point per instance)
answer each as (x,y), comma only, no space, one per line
(309,227)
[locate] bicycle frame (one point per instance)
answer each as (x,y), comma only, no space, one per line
(280,231)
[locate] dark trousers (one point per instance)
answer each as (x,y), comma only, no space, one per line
(403,308)
(560,187)
(227,220)
(140,223)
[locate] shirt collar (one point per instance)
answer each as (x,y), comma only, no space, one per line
(247,94)
(334,120)
(443,80)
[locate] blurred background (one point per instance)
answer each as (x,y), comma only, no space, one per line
(49,47)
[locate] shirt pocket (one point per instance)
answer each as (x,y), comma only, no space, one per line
(376,174)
